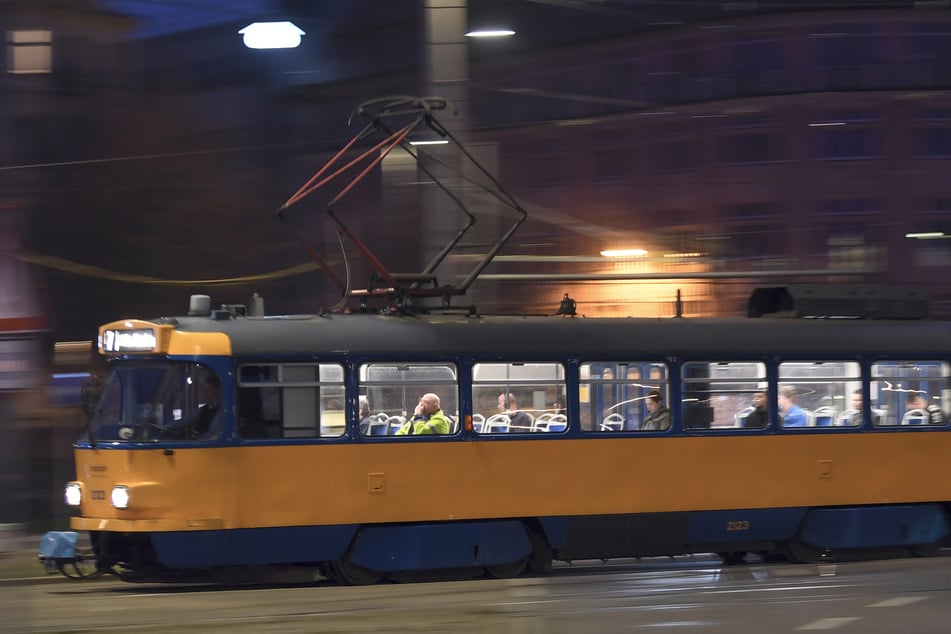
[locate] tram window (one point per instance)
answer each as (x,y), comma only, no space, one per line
(720,395)
(518,397)
(156,401)
(818,393)
(291,400)
(393,391)
(910,392)
(613,392)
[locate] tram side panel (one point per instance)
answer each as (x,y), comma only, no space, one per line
(591,499)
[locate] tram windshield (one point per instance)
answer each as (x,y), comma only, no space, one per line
(156,401)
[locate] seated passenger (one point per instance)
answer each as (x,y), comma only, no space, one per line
(759,417)
(792,414)
(857,404)
(366,417)
(428,418)
(509,406)
(658,417)
(920,401)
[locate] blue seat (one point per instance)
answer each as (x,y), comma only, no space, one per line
(558,423)
(497,424)
(824,416)
(379,426)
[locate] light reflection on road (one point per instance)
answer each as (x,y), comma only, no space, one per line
(684,595)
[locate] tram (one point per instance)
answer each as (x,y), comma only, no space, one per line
(285,476)
(228,444)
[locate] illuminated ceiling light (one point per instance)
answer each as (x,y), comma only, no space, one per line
(430,142)
(262,35)
(491,33)
(623,253)
(927,235)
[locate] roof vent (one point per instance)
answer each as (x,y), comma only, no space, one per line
(199,306)
(256,309)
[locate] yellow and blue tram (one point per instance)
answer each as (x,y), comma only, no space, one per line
(285,475)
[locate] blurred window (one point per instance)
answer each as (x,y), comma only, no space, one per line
(897,384)
(848,141)
(932,142)
(762,240)
(822,389)
(752,147)
(750,53)
(725,390)
(511,397)
(851,45)
(613,393)
(29,52)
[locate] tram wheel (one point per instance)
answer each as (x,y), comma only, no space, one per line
(80,568)
(771,557)
(507,571)
(801,553)
(350,574)
(732,558)
(925,550)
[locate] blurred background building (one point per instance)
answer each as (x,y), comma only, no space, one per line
(731,144)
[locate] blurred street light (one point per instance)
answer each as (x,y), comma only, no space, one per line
(491,33)
(263,35)
(928,235)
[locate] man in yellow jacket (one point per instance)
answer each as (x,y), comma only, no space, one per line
(428,418)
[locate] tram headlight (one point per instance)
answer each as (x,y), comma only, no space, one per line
(74,494)
(130,340)
(120,496)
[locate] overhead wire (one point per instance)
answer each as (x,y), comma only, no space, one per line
(87,270)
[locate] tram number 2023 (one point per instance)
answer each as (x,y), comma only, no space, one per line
(738,525)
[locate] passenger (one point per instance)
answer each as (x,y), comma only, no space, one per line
(428,418)
(920,401)
(759,417)
(792,414)
(658,417)
(509,406)
(858,403)
(199,421)
(366,417)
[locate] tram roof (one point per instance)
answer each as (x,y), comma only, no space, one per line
(541,336)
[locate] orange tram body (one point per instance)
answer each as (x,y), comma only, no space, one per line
(554,449)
